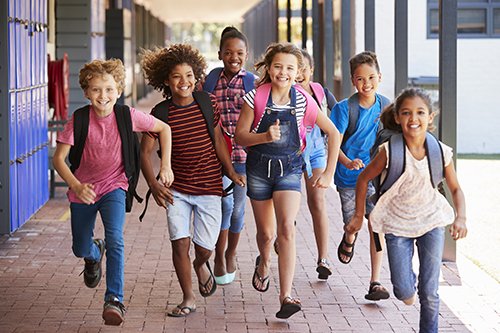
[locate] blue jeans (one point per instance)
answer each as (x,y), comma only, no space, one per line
(112,209)
(233,205)
(430,252)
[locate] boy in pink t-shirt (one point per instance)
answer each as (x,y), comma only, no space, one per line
(99,184)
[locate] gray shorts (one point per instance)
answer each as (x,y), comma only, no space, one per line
(348,202)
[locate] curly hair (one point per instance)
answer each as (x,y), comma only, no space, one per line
(271,51)
(365,57)
(157,64)
(99,68)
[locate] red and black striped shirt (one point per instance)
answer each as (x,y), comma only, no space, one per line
(195,165)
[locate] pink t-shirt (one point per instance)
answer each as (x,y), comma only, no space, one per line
(102,160)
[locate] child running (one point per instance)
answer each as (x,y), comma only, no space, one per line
(315,159)
(412,211)
(99,184)
(358,137)
(197,152)
(272,125)
(229,84)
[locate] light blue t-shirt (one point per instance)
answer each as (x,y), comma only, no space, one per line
(361,141)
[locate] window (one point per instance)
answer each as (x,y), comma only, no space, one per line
(475,18)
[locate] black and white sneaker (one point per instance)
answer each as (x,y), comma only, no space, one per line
(92,271)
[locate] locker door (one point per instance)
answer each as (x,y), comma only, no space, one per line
(13,165)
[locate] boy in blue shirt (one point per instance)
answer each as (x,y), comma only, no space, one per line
(355,155)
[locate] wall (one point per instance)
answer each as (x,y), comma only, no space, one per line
(478,119)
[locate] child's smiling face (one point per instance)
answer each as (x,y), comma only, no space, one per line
(414,117)
(102,93)
(181,82)
(233,54)
(283,69)
(366,79)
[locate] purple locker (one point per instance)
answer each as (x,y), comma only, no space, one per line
(45,149)
(19,57)
(12,158)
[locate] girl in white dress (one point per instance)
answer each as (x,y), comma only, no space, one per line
(412,210)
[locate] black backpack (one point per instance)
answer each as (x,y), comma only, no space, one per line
(161,110)
(131,148)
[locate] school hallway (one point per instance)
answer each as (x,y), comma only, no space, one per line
(41,290)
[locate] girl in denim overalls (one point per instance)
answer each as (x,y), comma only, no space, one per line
(275,140)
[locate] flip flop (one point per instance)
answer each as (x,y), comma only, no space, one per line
(289,306)
(341,251)
(221,280)
(376,292)
(264,281)
(202,287)
(181,312)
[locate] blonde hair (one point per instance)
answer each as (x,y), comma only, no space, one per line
(99,68)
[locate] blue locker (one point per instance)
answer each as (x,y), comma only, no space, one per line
(18,65)
(21,174)
(12,157)
(11,46)
(45,151)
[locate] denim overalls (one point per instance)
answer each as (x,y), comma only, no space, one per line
(276,166)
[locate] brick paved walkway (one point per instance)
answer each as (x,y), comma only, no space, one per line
(41,290)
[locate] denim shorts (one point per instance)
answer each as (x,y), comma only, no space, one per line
(348,202)
(318,155)
(269,173)
(207,211)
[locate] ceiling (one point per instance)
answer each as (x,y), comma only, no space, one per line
(170,11)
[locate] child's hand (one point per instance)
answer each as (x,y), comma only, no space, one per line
(166,176)
(458,229)
(274,131)
(238,179)
(355,225)
(162,194)
(355,164)
(323,181)
(85,192)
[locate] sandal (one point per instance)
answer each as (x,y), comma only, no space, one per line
(376,292)
(181,311)
(344,244)
(203,287)
(264,281)
(289,306)
(323,269)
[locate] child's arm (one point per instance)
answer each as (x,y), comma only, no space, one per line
(243,135)
(354,164)
(161,193)
(84,192)
(458,229)
(223,156)
(165,138)
(375,168)
(327,126)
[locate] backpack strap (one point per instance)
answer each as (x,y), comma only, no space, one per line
(435,158)
(353,114)
(205,103)
(80,131)
(318,91)
(397,162)
(249,81)
(211,79)
(260,101)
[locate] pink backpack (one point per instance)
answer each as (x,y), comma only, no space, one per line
(260,102)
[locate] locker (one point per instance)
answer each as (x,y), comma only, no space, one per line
(12,46)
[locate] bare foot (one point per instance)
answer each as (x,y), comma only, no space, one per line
(230,262)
